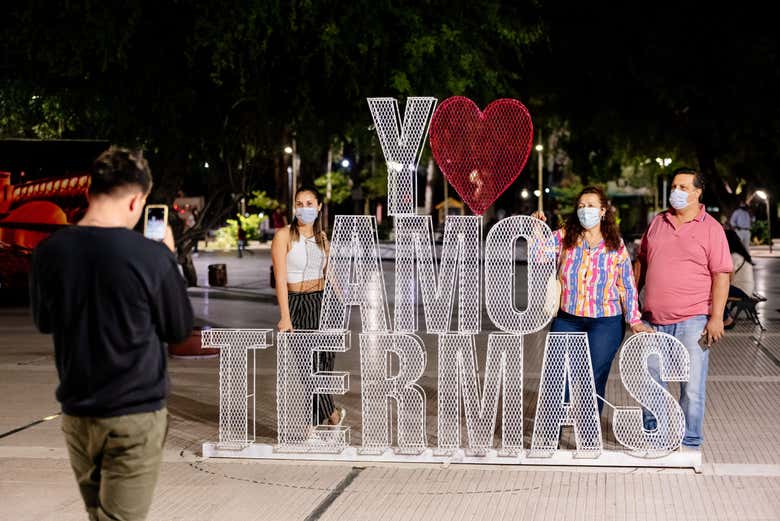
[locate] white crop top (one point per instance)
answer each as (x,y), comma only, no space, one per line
(305,260)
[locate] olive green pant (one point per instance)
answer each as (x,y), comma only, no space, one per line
(116,461)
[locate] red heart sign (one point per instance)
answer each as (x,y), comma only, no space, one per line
(481,153)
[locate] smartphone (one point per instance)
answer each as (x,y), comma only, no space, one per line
(155,221)
(703,341)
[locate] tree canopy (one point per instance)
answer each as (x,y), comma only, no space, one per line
(229,84)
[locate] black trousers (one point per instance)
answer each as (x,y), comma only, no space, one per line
(305,314)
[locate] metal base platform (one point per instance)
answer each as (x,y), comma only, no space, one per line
(677,459)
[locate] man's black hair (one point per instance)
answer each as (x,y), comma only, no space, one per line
(118,168)
(698,177)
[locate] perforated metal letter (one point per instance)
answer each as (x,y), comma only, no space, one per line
(500,273)
(381,383)
(354,276)
(458,377)
(640,384)
(296,384)
(460,253)
(566,358)
(402,144)
(234,385)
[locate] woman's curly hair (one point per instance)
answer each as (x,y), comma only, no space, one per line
(609,227)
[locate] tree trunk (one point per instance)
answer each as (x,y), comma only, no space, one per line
(188,268)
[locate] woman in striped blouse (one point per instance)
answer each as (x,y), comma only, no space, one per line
(597,282)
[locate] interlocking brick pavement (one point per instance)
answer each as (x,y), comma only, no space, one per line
(740,478)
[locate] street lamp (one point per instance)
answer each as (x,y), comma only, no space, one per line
(540,148)
(661,163)
(293,169)
(288,150)
(763,195)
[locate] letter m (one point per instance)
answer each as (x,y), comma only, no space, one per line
(460,267)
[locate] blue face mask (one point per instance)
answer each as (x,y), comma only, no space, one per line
(589,217)
(306,215)
(678,199)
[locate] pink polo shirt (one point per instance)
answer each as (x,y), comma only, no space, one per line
(680,264)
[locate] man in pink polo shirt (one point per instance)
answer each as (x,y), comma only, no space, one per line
(684,265)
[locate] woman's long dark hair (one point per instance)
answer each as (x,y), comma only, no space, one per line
(736,245)
(319,229)
(609,227)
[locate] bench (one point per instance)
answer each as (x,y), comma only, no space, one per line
(736,306)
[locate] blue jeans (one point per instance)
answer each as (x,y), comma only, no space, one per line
(605,335)
(692,392)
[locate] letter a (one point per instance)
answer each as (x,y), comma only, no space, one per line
(566,358)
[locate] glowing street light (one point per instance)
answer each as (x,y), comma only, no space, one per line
(524,194)
(663,163)
(345,163)
(761,194)
(538,193)
(292,170)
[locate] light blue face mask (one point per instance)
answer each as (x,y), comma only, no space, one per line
(306,215)
(589,217)
(678,199)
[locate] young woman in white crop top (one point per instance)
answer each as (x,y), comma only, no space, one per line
(299,253)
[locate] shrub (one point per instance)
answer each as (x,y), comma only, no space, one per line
(227,236)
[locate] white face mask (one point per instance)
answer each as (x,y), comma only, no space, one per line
(306,215)
(678,199)
(589,217)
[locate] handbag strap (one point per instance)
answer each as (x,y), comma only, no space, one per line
(744,260)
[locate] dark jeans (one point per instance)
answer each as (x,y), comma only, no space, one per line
(605,335)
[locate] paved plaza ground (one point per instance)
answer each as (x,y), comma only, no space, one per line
(740,477)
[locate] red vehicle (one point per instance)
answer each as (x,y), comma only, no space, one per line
(43,187)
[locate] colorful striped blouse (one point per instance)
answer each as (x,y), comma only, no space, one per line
(596,282)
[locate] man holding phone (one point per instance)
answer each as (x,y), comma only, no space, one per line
(111,298)
(156,222)
(684,265)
